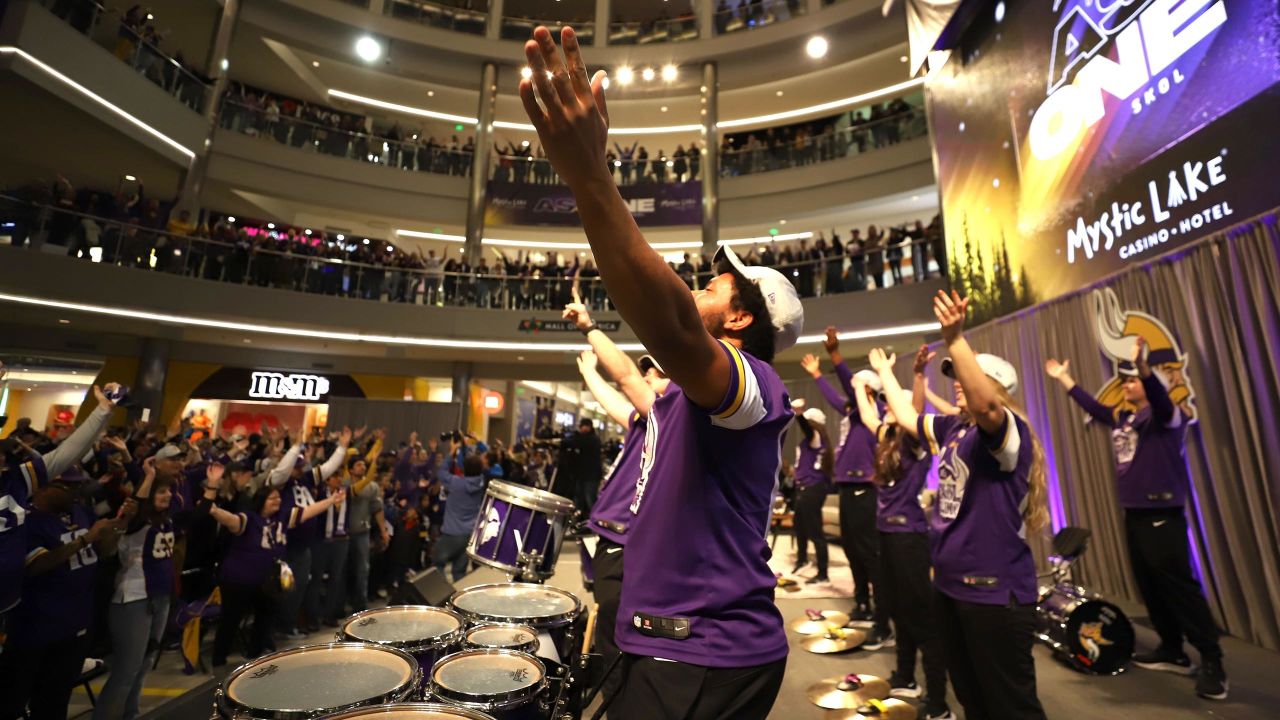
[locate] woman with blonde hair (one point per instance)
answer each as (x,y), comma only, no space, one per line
(991,490)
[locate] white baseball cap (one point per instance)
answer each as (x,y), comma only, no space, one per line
(780,297)
(994,366)
(815,416)
(871,378)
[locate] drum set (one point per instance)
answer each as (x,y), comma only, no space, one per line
(1084,630)
(499,651)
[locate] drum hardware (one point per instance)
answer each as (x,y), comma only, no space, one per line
(847,693)
(529,563)
(519,530)
(427,633)
(816,621)
(834,640)
(554,613)
(411,711)
(506,684)
(891,709)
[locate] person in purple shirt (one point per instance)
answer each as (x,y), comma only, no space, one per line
(1152,484)
(697,621)
(991,490)
(140,599)
(814,460)
(259,541)
(48,635)
(853,475)
(904,588)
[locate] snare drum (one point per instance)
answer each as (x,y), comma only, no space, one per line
(1088,632)
(506,684)
(411,711)
(549,610)
(427,633)
(515,520)
(506,636)
(317,680)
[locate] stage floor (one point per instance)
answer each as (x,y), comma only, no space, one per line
(1255,673)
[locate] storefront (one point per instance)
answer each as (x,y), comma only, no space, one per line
(244,400)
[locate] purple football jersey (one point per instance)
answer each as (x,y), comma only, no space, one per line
(898,502)
(146,562)
(980,551)
(611,514)
(696,550)
(856,458)
(17,484)
(809,463)
(57,604)
(1150,448)
(295,496)
(254,551)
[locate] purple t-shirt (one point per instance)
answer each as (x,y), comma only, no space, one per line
(980,553)
(809,463)
(58,604)
(254,551)
(611,514)
(18,483)
(696,549)
(898,502)
(1150,447)
(856,458)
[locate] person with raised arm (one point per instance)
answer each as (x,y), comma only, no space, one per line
(1152,484)
(814,460)
(697,620)
(991,491)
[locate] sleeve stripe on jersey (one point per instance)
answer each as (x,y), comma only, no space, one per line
(929,436)
(1010,445)
(35,553)
(31,476)
(738,376)
(295,515)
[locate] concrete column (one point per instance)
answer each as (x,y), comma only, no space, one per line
(462,393)
(708,117)
(147,391)
(215,67)
(603,7)
(477,197)
(493,26)
(705,12)
(813,6)
(377,7)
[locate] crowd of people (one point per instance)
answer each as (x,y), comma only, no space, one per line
(114,533)
(746,14)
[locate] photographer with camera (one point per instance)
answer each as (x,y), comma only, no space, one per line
(464,493)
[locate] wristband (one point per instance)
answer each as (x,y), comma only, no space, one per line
(587,330)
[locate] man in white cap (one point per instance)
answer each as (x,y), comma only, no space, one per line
(697,621)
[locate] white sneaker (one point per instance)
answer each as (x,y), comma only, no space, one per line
(90,664)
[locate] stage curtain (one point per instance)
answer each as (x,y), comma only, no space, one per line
(1221,297)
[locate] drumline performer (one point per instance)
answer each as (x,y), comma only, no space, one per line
(1152,483)
(991,489)
(904,587)
(697,620)
(854,471)
(814,460)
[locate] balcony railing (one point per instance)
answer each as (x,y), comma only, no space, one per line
(749,15)
(333,264)
(130,38)
(521,28)
(440,15)
(645,32)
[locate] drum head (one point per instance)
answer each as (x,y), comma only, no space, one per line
(411,711)
(488,677)
(531,498)
(539,606)
(403,625)
(1100,636)
(503,635)
(320,677)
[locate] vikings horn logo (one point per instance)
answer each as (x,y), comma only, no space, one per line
(1118,330)
(1092,640)
(492,522)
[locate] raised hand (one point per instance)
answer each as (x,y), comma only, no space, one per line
(831,343)
(360,431)
(881,362)
(213,473)
(573,120)
(344,438)
(577,313)
(950,311)
(1139,356)
(101,395)
(380,434)
(413,438)
(1057,370)
(922,360)
(587,362)
(811,365)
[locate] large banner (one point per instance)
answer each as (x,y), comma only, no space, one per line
(1074,138)
(651,204)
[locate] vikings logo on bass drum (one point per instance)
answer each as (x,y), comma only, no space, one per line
(1118,330)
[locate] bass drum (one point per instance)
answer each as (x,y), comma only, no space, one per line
(1091,634)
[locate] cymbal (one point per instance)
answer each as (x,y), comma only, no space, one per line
(815,622)
(891,709)
(847,693)
(834,640)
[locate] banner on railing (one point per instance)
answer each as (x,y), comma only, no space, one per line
(1076,139)
(534,325)
(651,204)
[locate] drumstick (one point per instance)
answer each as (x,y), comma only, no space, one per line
(591,628)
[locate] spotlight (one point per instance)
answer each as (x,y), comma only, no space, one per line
(307,231)
(524,143)
(617,163)
(816,47)
(368,49)
(669,73)
(366,241)
(315,63)
(341,237)
(1000,12)
(150,16)
(271,226)
(390,249)
(626,75)
(647,74)
(671,163)
(526,72)
(231,218)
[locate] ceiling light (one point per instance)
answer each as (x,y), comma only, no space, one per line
(853,100)
(604,82)
(526,72)
(524,143)
(224,64)
(816,47)
(368,49)
(778,94)
(231,218)
(315,63)
(150,16)
(130,178)
(1000,12)
(647,74)
(663,108)
(406,109)
(390,249)
(366,241)
(341,237)
(307,231)
(62,321)
(669,73)
(431,93)
(271,226)
(903,58)
(626,75)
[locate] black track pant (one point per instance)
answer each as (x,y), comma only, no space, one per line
(607,565)
(906,592)
(1161,564)
(659,690)
(988,649)
(861,543)
(237,602)
(808,524)
(39,680)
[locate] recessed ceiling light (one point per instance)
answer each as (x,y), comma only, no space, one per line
(368,49)
(525,72)
(130,178)
(231,218)
(816,47)
(431,93)
(246,341)
(663,108)
(779,93)
(782,222)
(315,63)
(271,226)
(669,73)
(903,58)
(520,357)
(648,74)
(626,75)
